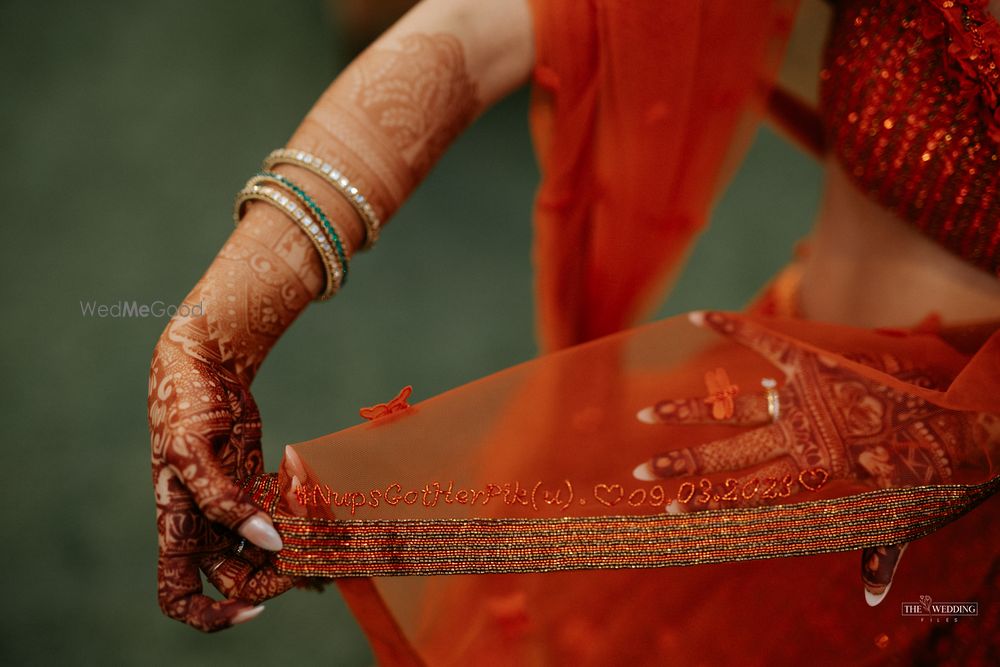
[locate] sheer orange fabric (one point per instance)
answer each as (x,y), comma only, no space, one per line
(638,109)
(525,480)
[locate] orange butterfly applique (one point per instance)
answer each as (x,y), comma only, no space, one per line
(397,404)
(720,393)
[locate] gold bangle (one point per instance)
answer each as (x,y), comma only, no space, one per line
(333,235)
(287,205)
(339,181)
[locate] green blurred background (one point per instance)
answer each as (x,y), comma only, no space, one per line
(125,129)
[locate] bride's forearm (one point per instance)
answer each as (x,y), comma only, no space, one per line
(383,123)
(386,120)
(263,277)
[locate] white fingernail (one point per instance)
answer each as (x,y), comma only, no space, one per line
(674,508)
(644,472)
(697,318)
(294,462)
(248,614)
(292,497)
(259,530)
(874,598)
(647,415)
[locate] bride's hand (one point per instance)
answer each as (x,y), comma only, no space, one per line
(385,120)
(833,423)
(205,439)
(205,426)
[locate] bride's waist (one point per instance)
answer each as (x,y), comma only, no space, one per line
(866,267)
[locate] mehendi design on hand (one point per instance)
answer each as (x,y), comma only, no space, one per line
(383,123)
(205,426)
(831,418)
(834,420)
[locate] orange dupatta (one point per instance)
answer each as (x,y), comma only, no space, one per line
(639,108)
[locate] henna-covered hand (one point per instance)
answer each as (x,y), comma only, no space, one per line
(382,123)
(831,419)
(206,429)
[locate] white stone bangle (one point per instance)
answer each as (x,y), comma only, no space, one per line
(312,228)
(339,181)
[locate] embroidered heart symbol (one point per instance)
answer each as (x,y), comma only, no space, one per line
(609,495)
(813,478)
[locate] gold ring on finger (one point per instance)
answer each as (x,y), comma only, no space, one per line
(773,400)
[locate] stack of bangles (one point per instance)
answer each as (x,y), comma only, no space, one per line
(292,199)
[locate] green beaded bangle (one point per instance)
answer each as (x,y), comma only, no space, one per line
(335,178)
(318,212)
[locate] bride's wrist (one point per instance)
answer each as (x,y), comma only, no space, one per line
(267,272)
(278,252)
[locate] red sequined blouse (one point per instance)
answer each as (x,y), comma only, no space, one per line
(909,103)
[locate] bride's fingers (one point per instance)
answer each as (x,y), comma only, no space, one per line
(294,463)
(778,351)
(730,454)
(184,536)
(180,593)
(878,566)
(748,410)
(193,458)
(237,578)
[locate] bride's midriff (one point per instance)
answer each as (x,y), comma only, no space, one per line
(866,267)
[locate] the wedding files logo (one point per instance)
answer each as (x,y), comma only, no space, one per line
(134,309)
(939,612)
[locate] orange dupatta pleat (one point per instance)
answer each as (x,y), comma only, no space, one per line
(638,109)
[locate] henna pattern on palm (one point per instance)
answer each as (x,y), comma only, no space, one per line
(831,418)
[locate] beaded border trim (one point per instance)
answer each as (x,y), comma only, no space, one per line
(316,234)
(335,178)
(387,547)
